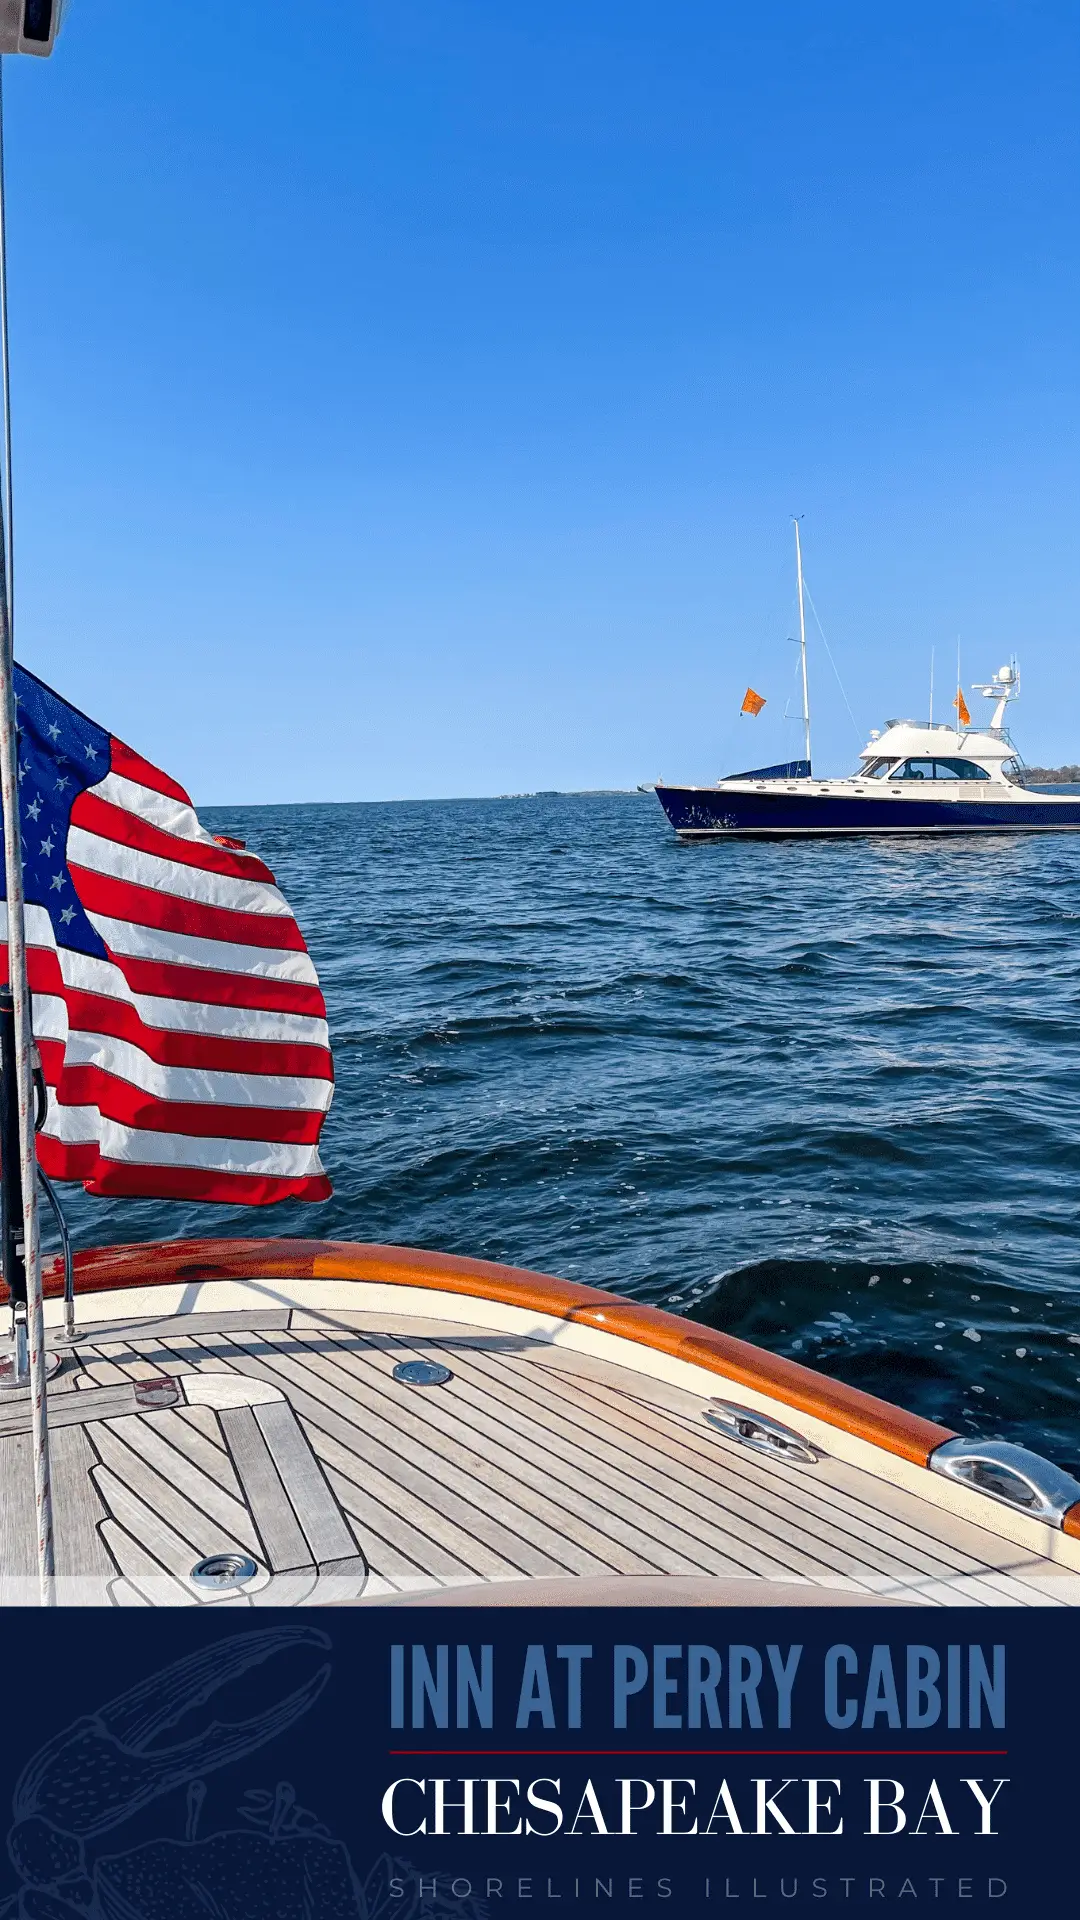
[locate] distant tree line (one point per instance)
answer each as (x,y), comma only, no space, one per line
(1053,776)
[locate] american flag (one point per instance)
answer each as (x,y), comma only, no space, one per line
(179,1018)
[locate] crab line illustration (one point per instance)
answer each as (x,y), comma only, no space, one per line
(108,1765)
(280,1862)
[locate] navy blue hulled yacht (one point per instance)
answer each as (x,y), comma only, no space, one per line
(915,777)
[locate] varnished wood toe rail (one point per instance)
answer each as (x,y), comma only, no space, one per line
(161,1263)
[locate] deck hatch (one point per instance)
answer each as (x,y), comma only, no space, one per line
(421,1373)
(159,1391)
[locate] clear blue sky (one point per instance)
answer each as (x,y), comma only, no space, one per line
(412,395)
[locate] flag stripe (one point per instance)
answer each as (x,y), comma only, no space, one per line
(151,907)
(130,1108)
(172,816)
(63,1051)
(120,824)
(111,860)
(50,1021)
(156,1180)
(112,1055)
(106,1018)
(193,1183)
(133,767)
(80,1126)
(293,1015)
(185,1012)
(142,942)
(185,1022)
(173,980)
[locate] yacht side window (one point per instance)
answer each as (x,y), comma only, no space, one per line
(873,770)
(941,770)
(960,770)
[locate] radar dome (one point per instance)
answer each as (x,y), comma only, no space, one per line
(1006,675)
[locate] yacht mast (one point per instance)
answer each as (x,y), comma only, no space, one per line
(802,650)
(24,29)
(27,1364)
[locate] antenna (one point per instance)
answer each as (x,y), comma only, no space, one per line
(931,686)
(802,645)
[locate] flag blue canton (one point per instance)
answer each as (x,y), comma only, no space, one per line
(61,753)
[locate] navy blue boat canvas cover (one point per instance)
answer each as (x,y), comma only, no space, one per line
(786,770)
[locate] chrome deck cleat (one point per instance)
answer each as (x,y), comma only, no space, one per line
(1011,1474)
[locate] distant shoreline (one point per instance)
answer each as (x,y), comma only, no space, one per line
(430,799)
(1053,776)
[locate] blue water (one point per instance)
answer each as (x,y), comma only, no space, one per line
(822,1094)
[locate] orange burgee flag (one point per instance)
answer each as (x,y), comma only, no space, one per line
(753,702)
(961,706)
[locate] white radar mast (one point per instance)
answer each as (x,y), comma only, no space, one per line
(1004,687)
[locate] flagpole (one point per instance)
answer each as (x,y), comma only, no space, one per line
(32,1327)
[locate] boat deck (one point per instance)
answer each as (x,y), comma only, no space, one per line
(279,1432)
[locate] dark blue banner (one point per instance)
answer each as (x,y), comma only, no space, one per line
(415,1764)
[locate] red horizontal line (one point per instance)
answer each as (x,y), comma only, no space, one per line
(131,765)
(181,1047)
(694,1753)
(88,1085)
(132,1179)
(127,829)
(155,908)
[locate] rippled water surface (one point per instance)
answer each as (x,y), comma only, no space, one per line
(821,1094)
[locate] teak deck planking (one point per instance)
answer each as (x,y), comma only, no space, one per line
(530,1462)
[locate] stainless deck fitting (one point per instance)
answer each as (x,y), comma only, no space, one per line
(53,1199)
(159,1391)
(758,1431)
(15,1364)
(422,1373)
(1011,1474)
(222,1571)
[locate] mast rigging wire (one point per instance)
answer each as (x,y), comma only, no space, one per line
(860,731)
